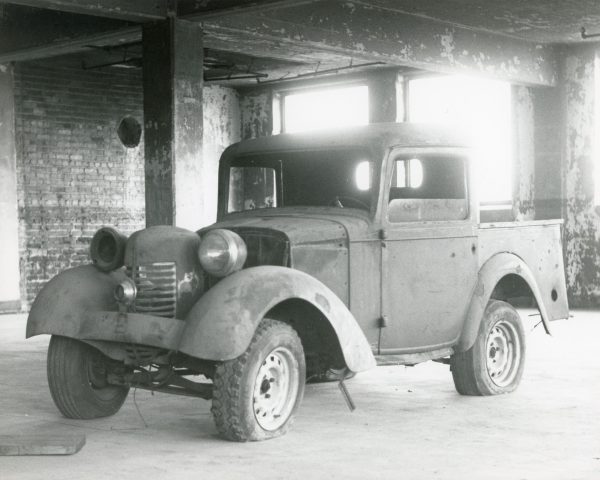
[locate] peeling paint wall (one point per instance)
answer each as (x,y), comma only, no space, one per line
(257,114)
(222,127)
(582,220)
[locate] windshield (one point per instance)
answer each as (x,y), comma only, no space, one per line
(332,178)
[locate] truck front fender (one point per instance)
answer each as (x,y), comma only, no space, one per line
(79,303)
(59,305)
(492,271)
(221,324)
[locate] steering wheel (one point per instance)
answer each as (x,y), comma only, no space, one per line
(343,201)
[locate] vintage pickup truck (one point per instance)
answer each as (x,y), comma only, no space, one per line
(333,252)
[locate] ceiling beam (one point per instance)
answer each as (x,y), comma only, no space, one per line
(210,9)
(150,10)
(131,10)
(361,32)
(30,33)
(331,32)
(71,45)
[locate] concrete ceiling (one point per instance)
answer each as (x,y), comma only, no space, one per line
(544,21)
(279,39)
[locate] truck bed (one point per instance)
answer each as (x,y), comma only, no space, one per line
(539,244)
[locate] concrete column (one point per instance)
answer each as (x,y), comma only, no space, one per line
(523,153)
(580,161)
(173,78)
(257,114)
(548,147)
(385,97)
(9,224)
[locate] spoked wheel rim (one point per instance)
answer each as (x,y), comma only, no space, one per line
(276,388)
(503,355)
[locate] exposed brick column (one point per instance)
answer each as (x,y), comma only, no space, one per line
(173,57)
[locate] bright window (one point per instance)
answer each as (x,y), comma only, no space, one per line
(482,107)
(330,108)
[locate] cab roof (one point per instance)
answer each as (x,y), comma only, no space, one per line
(378,137)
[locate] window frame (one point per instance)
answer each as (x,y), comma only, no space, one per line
(416,152)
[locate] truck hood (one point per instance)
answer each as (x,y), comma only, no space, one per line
(302,228)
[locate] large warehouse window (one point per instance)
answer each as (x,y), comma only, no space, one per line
(483,108)
(328,108)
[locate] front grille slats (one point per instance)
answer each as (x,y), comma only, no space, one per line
(156,285)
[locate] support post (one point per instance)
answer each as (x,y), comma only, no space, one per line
(173,78)
(386,97)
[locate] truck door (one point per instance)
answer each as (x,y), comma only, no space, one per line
(429,250)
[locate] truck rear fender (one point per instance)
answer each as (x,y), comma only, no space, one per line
(221,324)
(491,273)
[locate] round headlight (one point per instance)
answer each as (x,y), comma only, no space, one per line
(222,252)
(107,249)
(126,291)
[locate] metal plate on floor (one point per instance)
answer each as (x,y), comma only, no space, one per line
(11,445)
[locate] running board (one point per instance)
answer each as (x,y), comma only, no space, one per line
(410,359)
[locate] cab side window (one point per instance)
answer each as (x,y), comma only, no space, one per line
(430,187)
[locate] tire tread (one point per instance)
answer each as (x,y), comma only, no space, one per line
(69,392)
(227,390)
(466,366)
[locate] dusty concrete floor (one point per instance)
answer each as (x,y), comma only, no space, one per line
(410,423)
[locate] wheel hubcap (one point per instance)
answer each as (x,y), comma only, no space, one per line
(275,389)
(503,353)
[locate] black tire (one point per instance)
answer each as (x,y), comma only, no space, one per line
(494,364)
(242,407)
(77,380)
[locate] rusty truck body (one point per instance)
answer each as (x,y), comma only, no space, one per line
(332,252)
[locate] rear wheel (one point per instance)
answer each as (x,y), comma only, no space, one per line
(494,364)
(77,379)
(256,395)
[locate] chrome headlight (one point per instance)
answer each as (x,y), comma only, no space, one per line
(222,252)
(107,249)
(126,291)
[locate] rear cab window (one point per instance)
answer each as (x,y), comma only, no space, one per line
(428,186)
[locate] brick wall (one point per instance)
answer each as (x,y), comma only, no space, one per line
(74,175)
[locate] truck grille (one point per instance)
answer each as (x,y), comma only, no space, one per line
(156,288)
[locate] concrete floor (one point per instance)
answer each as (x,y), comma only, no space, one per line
(410,423)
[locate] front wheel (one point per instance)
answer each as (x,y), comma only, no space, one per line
(77,379)
(256,394)
(494,364)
